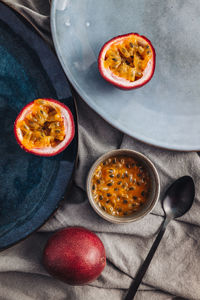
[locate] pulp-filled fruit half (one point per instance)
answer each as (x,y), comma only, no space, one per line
(74,255)
(44,127)
(127,61)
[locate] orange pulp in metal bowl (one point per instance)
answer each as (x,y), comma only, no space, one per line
(120,185)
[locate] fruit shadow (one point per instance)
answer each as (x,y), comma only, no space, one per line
(96,81)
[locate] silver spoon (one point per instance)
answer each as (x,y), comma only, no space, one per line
(177,201)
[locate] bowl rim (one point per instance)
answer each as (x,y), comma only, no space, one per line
(128,219)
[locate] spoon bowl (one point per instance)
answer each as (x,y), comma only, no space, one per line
(179,197)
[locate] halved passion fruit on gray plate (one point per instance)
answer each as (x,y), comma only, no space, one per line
(127,61)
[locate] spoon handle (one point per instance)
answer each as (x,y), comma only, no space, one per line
(135,284)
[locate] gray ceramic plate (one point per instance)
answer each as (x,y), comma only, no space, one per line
(165,112)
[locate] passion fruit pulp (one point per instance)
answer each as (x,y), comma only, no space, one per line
(127,61)
(44,127)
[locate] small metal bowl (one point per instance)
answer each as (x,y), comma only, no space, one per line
(153,195)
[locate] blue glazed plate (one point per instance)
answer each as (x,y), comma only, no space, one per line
(30,186)
(166,111)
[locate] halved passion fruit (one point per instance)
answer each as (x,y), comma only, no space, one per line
(44,127)
(127,61)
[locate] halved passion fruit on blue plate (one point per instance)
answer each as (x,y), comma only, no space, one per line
(44,127)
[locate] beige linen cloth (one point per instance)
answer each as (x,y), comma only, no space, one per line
(175,270)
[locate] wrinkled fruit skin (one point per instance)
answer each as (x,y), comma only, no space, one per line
(74,255)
